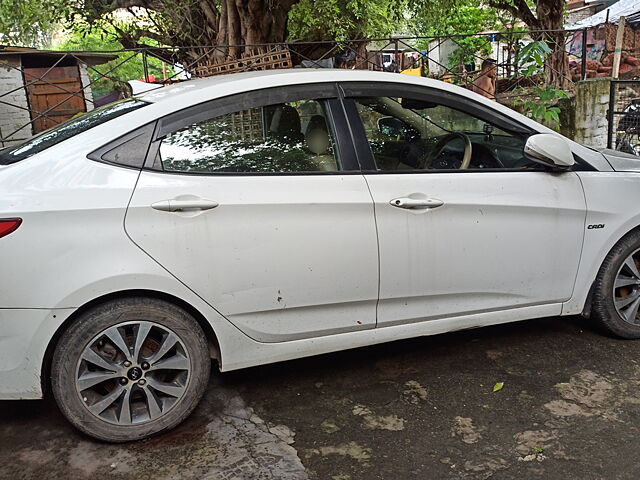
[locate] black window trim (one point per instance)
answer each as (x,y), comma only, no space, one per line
(326,91)
(147,129)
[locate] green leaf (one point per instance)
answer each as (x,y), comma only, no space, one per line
(498,386)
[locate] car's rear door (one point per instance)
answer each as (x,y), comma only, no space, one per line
(453,242)
(256,203)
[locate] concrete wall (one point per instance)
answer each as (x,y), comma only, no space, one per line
(440,51)
(591,103)
(574,16)
(12,117)
(583,117)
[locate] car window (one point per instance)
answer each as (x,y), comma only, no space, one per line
(280,138)
(68,129)
(408,134)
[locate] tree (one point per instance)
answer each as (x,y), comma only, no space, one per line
(315,20)
(235,23)
(30,22)
(548,21)
(229,24)
(191,23)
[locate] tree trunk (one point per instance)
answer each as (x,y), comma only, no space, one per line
(549,21)
(242,28)
(205,31)
(550,15)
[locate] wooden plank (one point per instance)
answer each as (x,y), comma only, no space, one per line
(617,53)
(53,89)
(54,75)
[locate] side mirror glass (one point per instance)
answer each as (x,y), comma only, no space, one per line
(394,127)
(549,149)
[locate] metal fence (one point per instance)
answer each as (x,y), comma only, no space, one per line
(624,116)
(455,59)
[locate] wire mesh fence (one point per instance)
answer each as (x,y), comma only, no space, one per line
(34,95)
(624,116)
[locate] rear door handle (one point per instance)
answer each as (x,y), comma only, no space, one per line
(177,205)
(416,203)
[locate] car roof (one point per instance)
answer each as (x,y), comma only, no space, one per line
(272,78)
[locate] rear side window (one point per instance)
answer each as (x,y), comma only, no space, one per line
(285,137)
(67,130)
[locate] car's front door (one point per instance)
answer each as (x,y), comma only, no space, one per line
(255,202)
(499,234)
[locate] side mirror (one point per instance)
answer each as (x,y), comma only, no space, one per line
(549,149)
(394,127)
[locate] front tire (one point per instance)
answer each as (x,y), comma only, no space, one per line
(130,368)
(616,293)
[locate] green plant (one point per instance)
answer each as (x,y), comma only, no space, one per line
(540,101)
(531,58)
(543,106)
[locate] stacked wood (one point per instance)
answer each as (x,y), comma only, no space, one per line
(630,40)
(629,67)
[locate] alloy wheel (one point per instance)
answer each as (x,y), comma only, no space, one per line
(132,373)
(626,289)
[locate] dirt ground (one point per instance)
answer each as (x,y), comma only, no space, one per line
(417,409)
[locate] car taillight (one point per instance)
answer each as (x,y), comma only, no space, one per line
(8,225)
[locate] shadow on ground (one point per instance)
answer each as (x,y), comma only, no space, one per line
(416,409)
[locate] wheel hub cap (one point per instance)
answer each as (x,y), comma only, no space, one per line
(134,374)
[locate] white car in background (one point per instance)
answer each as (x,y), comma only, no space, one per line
(261,217)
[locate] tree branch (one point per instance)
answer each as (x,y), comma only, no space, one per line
(518,9)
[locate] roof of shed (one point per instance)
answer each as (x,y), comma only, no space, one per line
(90,58)
(623,8)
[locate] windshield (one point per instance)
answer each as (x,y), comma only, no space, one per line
(431,119)
(68,129)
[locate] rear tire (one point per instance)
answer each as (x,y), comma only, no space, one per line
(616,291)
(144,360)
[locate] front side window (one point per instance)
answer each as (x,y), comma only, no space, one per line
(409,134)
(281,138)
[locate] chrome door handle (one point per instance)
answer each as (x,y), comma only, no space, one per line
(416,203)
(176,205)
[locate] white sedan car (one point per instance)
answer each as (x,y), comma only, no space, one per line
(266,216)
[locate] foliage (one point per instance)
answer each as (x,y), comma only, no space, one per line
(542,107)
(541,104)
(531,58)
(30,22)
(110,76)
(313,20)
(223,22)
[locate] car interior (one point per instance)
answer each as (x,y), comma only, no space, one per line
(408,134)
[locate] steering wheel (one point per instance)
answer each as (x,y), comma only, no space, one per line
(442,143)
